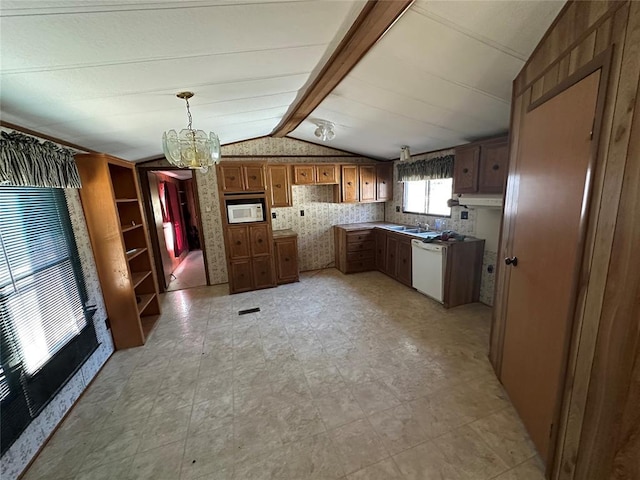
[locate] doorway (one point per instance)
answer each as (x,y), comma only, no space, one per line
(175,228)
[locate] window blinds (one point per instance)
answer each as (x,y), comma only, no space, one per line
(46,332)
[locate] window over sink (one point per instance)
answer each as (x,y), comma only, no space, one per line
(428,197)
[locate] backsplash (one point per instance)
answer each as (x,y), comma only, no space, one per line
(475,226)
(314,229)
(15,460)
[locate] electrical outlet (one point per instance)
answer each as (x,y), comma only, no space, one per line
(490,268)
(464,215)
(273,214)
(302,213)
(397,209)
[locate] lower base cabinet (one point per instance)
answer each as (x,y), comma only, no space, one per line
(240,276)
(285,246)
(360,249)
(263,275)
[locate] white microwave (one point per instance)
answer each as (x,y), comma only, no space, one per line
(245,213)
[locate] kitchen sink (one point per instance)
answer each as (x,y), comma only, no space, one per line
(427,234)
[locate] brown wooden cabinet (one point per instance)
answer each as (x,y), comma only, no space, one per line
(367,180)
(355,249)
(391,256)
(327,174)
(235,178)
(285,244)
(381,249)
(481,167)
(384,181)
(279,181)
(349,186)
(118,231)
(304,175)
(404,266)
(250,257)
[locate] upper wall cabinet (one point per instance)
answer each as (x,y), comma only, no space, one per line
(325,174)
(481,167)
(365,183)
(279,180)
(242,178)
(384,181)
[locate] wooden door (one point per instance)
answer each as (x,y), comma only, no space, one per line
(232,178)
(240,276)
(552,168)
(367,183)
(327,174)
(384,181)
(494,159)
(465,171)
(260,240)
(279,185)
(403,271)
(392,256)
(349,183)
(381,250)
(238,242)
(304,174)
(286,252)
(254,178)
(263,272)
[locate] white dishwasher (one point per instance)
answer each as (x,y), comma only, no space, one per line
(428,261)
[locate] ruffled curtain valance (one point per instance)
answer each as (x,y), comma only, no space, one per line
(440,167)
(27,162)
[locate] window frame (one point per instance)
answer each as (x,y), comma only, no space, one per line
(435,215)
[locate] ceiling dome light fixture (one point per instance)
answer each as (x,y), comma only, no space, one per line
(191,148)
(325,130)
(405,154)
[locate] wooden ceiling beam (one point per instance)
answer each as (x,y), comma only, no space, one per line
(374,21)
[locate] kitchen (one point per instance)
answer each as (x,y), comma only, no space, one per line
(342,369)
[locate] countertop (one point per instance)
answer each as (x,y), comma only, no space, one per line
(350,227)
(284,233)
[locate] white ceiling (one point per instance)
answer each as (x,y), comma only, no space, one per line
(440,77)
(104,74)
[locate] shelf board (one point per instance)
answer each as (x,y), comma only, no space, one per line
(148,323)
(125,228)
(138,277)
(126,200)
(133,254)
(144,302)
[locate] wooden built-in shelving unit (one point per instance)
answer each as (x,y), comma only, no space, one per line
(113,209)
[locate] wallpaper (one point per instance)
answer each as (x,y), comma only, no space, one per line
(24,449)
(314,229)
(279,146)
(465,227)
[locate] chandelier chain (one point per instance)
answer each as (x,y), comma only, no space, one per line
(188,114)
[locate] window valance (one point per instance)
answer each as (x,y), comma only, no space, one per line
(27,162)
(440,167)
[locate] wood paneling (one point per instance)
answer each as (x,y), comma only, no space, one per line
(599,444)
(373,22)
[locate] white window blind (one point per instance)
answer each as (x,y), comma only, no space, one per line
(42,300)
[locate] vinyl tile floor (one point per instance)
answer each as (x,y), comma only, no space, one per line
(337,377)
(190,273)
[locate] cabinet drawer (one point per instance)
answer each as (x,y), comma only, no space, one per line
(359,236)
(361,246)
(363,265)
(356,256)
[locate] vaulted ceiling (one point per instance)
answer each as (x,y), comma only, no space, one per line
(104,74)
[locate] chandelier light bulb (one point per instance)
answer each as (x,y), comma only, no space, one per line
(325,130)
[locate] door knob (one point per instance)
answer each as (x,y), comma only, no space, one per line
(511,261)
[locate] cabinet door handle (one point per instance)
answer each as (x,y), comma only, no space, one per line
(384,183)
(366,183)
(286,259)
(513,261)
(325,174)
(465,170)
(496,167)
(259,240)
(238,242)
(349,183)
(253,177)
(303,174)
(278,185)
(232,178)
